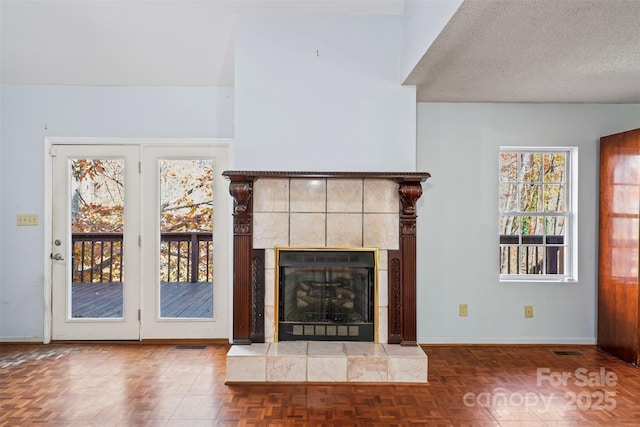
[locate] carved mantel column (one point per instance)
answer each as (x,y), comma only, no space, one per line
(410,191)
(241,189)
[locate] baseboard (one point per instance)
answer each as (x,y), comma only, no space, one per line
(30,340)
(506,341)
(155,341)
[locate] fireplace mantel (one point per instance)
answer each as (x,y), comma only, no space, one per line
(248,314)
(253,175)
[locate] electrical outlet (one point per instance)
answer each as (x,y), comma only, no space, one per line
(463,309)
(528,311)
(27,219)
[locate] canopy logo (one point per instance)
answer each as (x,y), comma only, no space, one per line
(600,399)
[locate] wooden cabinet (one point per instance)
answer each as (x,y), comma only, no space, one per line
(619,239)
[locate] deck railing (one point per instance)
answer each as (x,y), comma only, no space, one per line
(184,257)
(530,258)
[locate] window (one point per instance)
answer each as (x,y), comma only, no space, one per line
(537,215)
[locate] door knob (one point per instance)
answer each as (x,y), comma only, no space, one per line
(57,257)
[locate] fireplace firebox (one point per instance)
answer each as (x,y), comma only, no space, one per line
(326,295)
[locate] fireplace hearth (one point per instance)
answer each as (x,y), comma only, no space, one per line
(326,295)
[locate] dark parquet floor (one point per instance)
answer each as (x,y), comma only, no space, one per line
(158,385)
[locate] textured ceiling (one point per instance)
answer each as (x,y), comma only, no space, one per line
(490,51)
(585,51)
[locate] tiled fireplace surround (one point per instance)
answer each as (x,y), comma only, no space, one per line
(324,210)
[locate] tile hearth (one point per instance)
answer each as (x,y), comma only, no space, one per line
(326,361)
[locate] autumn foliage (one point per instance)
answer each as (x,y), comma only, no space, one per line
(97,219)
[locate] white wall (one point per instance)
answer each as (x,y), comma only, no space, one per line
(423,22)
(457,223)
(29,114)
(322,94)
(1,210)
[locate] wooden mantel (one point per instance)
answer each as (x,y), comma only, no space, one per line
(402,262)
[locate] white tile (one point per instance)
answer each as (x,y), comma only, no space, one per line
(308,230)
(344,195)
(383,325)
(326,348)
(381,231)
(256,349)
(365,349)
(344,230)
(269,286)
(269,323)
(287,361)
(367,369)
(288,348)
(383,289)
(270,230)
(408,369)
(381,196)
(271,195)
(269,258)
(396,350)
(383,260)
(247,362)
(246,368)
(406,363)
(327,369)
(287,368)
(308,195)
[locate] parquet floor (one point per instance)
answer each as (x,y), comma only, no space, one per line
(158,385)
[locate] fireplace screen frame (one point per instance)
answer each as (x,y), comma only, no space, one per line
(364,332)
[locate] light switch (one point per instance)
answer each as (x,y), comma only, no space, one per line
(28,219)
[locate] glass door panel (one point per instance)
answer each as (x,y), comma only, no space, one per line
(184,233)
(186,238)
(97,225)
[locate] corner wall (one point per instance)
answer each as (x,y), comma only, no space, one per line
(457,222)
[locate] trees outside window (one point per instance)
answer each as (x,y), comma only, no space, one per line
(535,216)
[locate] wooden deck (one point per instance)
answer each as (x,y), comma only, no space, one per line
(178,299)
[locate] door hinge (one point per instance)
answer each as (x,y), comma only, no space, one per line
(139,241)
(139,315)
(139,167)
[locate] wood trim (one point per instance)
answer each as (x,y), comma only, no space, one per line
(257,296)
(410,191)
(394,259)
(242,192)
(253,175)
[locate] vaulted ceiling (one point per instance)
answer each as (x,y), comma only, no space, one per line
(490,51)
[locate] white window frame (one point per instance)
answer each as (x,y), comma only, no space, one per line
(571,235)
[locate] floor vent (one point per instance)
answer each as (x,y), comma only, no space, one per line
(190,347)
(568,353)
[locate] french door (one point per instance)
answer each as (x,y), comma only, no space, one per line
(139,242)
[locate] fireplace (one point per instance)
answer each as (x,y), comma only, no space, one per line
(324,210)
(326,295)
(291,231)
